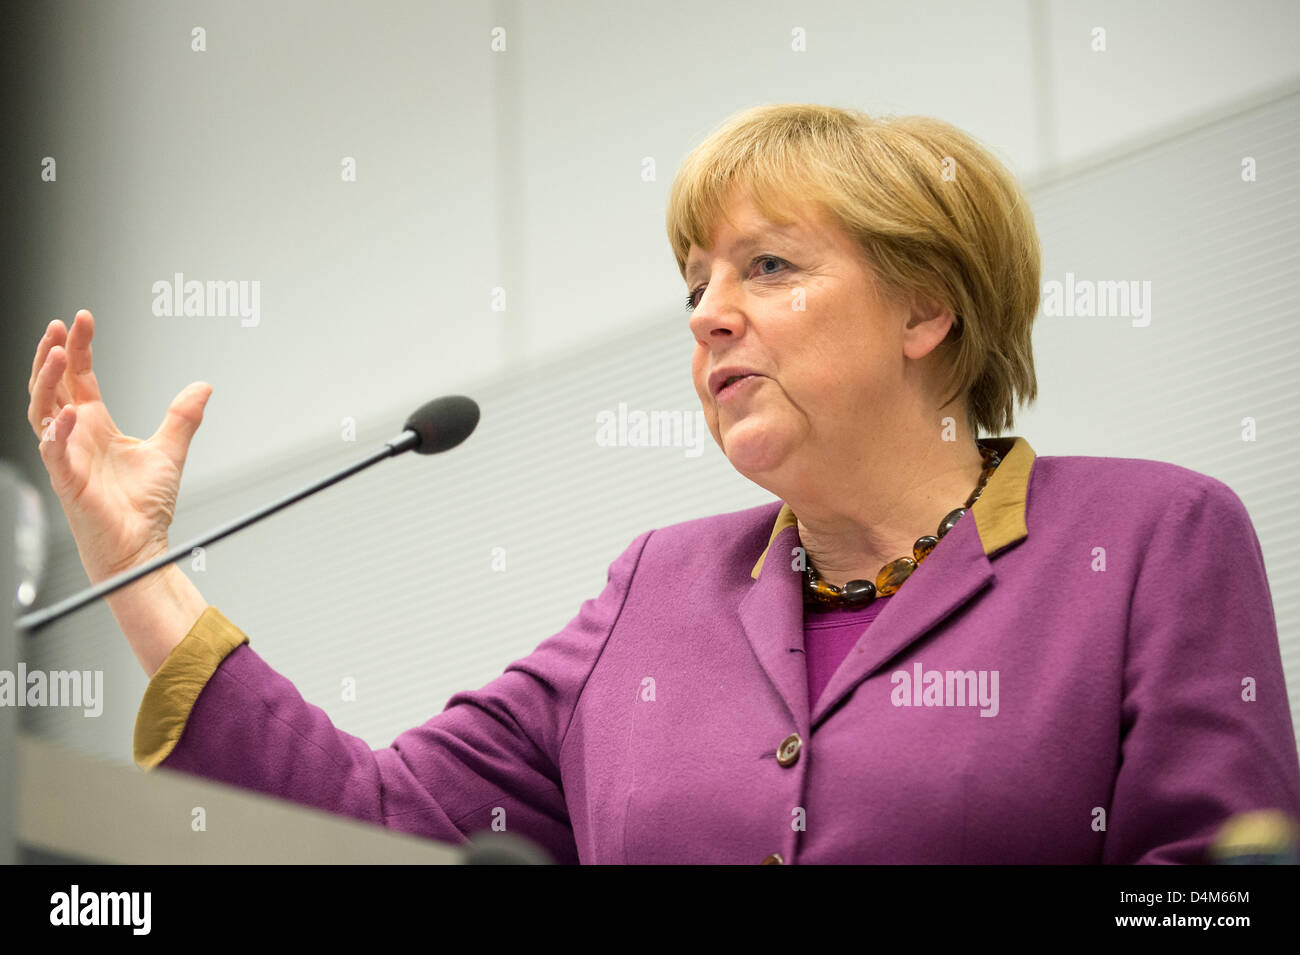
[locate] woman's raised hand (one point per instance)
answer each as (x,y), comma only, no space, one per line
(118,493)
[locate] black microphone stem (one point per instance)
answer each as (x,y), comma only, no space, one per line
(34,621)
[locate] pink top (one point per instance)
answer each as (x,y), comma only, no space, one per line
(828,636)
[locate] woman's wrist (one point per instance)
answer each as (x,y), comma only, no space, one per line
(156,612)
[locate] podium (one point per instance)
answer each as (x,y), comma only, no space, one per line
(74,808)
(57,805)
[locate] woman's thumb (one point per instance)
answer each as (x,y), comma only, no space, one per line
(184,415)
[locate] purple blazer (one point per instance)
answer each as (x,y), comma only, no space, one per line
(1084,670)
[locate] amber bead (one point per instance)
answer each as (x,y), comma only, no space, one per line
(859,592)
(825,591)
(893,574)
(951,518)
(819,595)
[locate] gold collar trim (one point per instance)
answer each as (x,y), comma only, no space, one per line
(999,513)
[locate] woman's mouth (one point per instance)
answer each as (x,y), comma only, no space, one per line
(737,385)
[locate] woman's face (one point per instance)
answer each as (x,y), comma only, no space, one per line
(797,307)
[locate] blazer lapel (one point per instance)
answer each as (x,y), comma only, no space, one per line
(771,614)
(953,574)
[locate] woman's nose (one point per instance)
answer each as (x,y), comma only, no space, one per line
(718,313)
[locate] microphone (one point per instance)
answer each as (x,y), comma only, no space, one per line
(434,427)
(438,425)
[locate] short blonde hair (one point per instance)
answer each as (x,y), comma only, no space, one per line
(932,211)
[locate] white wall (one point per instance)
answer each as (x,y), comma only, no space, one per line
(226,164)
(519,169)
(1166,62)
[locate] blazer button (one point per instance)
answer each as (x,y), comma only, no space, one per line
(787,754)
(773,859)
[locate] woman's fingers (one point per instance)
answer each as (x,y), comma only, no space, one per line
(183,417)
(55,334)
(80,378)
(49,396)
(54,446)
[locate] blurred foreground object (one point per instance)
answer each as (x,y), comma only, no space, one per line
(1263,837)
(31,548)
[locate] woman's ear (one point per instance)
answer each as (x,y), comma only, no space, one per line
(930,323)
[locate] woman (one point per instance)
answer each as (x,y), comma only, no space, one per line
(1056,677)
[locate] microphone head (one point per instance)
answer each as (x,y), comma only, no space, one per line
(443,423)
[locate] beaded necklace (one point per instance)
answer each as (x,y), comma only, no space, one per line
(855,594)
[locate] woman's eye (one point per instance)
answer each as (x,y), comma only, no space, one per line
(692,298)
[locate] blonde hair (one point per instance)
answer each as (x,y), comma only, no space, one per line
(966,240)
